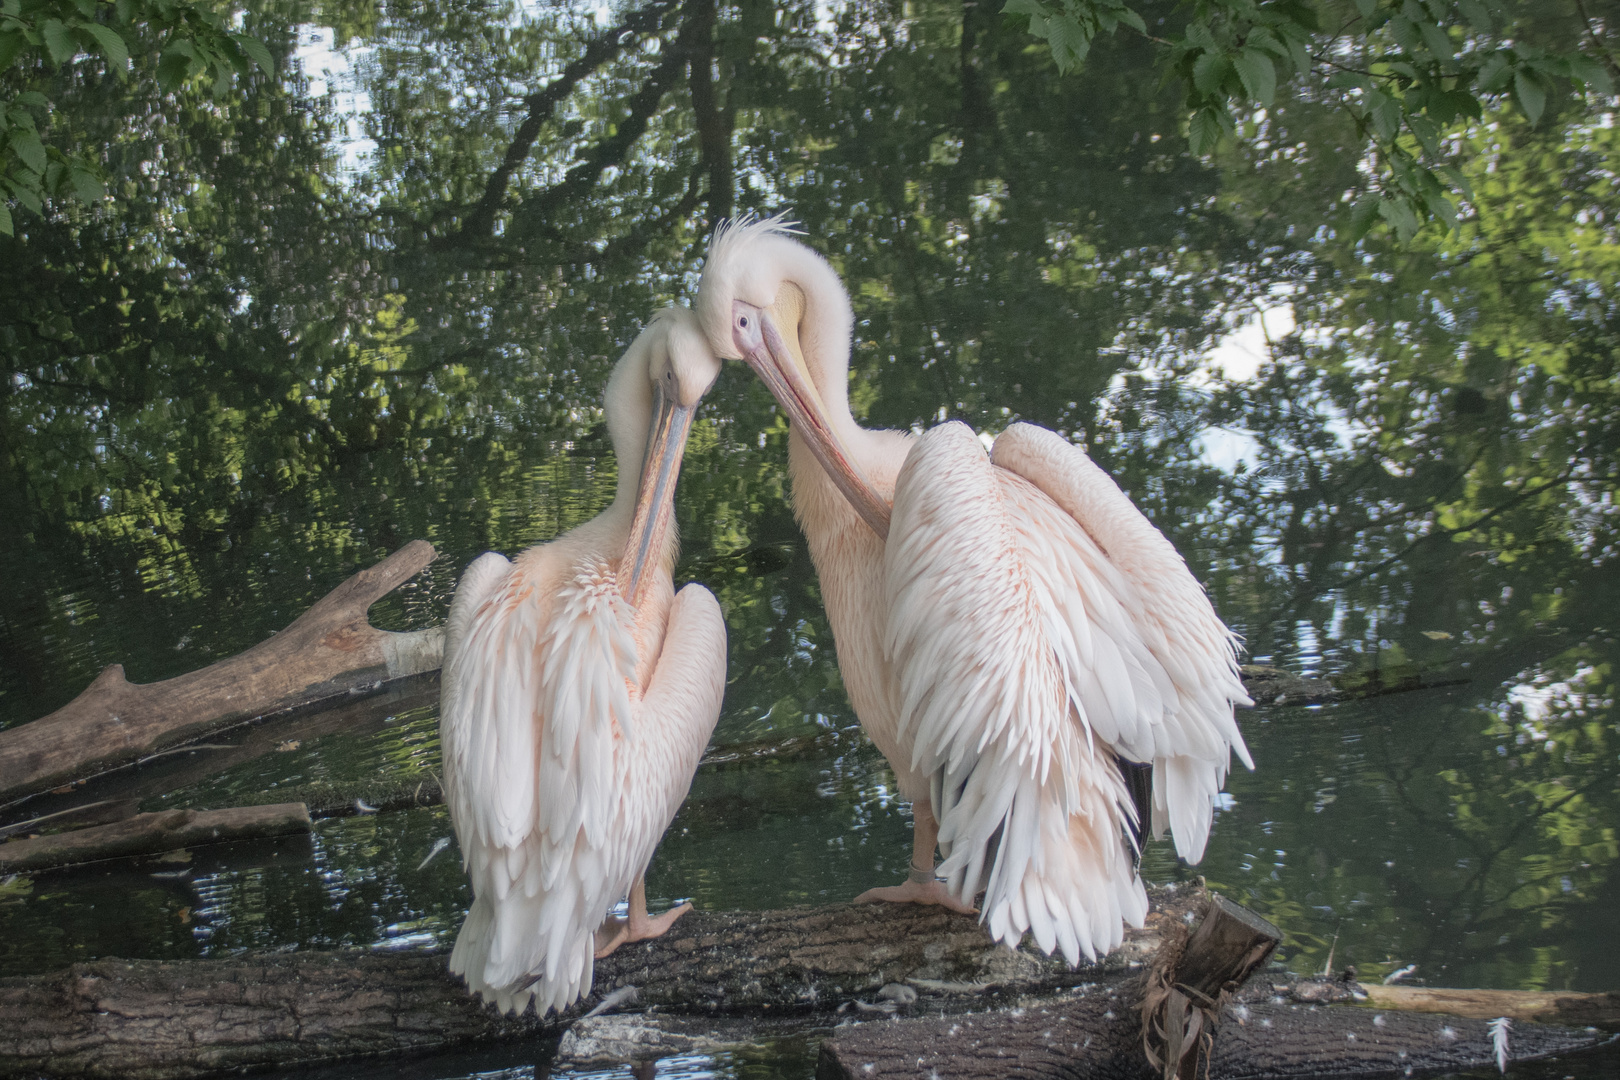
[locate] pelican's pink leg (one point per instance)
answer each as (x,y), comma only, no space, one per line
(639,926)
(921,887)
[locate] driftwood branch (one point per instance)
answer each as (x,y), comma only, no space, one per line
(148,834)
(1540,1006)
(330,651)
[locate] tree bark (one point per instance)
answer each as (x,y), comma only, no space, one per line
(171,1019)
(1098,1037)
(149,834)
(329,651)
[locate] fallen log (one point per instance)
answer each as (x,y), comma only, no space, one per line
(172,1019)
(150,834)
(329,651)
(1540,1006)
(1097,1036)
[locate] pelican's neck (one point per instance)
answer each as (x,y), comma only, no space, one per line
(825,330)
(627,406)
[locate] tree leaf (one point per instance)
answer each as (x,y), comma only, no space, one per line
(1024,7)
(1366,7)
(1259,76)
(1495,73)
(5,221)
(1362,216)
(1591,72)
(110,43)
(1398,213)
(1438,41)
(1532,96)
(1209,71)
(1477,14)
(11,44)
(29,150)
(1131,19)
(58,42)
(1204,130)
(175,64)
(87,186)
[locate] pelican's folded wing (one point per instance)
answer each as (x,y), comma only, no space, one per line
(535,708)
(1175,707)
(1029,798)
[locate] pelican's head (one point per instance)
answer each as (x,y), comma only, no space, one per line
(770,301)
(656,389)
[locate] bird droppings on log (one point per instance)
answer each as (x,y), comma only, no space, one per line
(151,834)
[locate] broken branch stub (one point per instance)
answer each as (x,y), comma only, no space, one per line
(329,651)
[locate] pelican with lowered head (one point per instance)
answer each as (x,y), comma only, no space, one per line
(579,692)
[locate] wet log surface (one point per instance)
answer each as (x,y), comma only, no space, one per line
(1097,1035)
(716,978)
(195,1018)
(147,834)
(330,651)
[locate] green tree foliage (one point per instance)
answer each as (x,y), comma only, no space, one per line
(1411,74)
(183,40)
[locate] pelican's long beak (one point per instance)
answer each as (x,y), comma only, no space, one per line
(655,497)
(779,366)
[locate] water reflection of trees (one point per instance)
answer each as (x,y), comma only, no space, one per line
(261,366)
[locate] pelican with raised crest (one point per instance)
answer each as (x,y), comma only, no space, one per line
(1012,632)
(579,692)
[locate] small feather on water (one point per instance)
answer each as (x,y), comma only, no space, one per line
(624,995)
(1499,1040)
(438,845)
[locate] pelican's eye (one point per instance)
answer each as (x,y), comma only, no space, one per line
(742,321)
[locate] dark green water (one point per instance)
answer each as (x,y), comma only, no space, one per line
(292,344)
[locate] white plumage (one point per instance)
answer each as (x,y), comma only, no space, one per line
(578,694)
(1012,632)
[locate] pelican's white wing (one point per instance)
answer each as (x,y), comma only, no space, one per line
(1187,683)
(1024,674)
(535,717)
(674,720)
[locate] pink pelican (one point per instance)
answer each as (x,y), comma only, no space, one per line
(579,692)
(1011,633)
